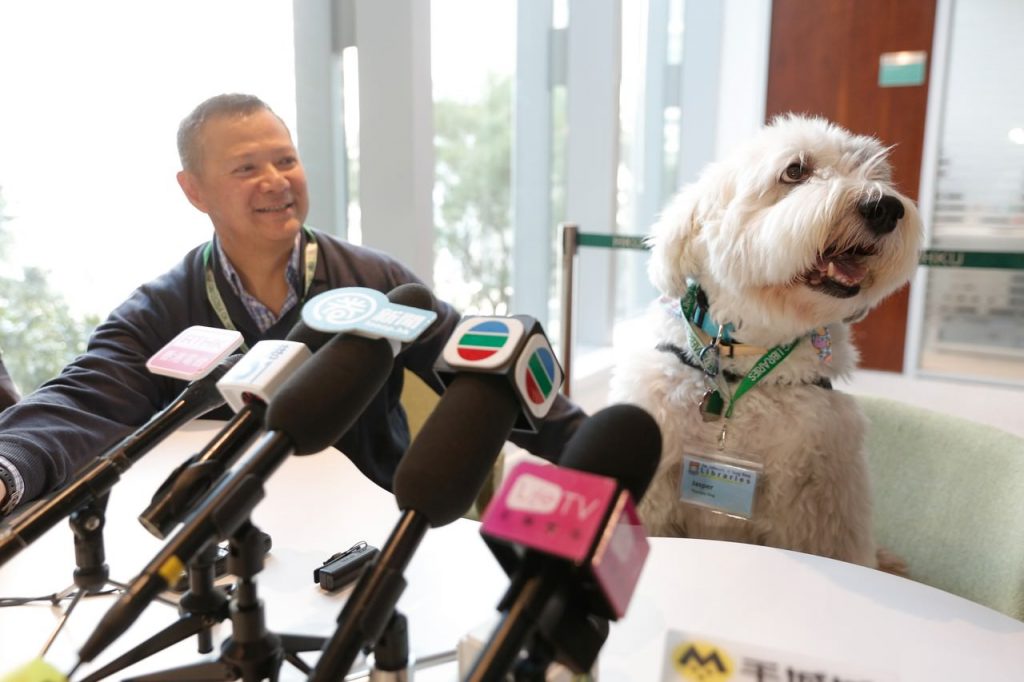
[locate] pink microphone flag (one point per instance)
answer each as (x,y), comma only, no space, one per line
(194,352)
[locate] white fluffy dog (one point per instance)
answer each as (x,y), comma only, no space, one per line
(762,264)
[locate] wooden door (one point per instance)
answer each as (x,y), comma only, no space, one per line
(824,59)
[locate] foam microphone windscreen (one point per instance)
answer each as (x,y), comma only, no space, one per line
(413,295)
(325,396)
(446,465)
(313,339)
(621,441)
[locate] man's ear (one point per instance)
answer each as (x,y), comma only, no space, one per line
(189,184)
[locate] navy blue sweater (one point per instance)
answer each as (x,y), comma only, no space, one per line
(107,393)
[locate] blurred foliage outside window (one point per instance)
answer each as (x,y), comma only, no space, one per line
(472,199)
(39,334)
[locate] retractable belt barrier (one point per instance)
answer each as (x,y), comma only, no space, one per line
(573,239)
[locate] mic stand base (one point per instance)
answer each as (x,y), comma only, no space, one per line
(251,652)
(91,575)
(202,606)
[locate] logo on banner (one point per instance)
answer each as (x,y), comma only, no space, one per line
(483,343)
(702,662)
(366,312)
(538,376)
(688,657)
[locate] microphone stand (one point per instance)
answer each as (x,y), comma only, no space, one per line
(391,658)
(371,605)
(202,606)
(567,634)
(92,573)
(392,661)
(533,667)
(522,607)
(251,652)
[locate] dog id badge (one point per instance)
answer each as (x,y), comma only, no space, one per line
(720,482)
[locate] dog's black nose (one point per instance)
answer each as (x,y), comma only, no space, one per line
(881,214)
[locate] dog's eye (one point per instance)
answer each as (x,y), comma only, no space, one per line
(795,172)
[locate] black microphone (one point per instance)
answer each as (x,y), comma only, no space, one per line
(569,536)
(247,388)
(501,373)
(97,478)
(311,411)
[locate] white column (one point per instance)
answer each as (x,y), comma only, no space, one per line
(700,77)
(396,147)
(593,155)
(319,133)
(649,147)
(531,162)
(743,83)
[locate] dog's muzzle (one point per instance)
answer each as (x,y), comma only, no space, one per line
(881,215)
(839,271)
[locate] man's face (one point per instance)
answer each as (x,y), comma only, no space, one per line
(249,180)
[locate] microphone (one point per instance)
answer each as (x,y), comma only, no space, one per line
(501,375)
(571,534)
(97,478)
(310,411)
(247,388)
(489,364)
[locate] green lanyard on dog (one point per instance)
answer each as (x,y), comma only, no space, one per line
(714,399)
(213,294)
(760,370)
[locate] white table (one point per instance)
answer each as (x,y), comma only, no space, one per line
(792,602)
(314,506)
(320,504)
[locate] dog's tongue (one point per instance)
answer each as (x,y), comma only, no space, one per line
(845,269)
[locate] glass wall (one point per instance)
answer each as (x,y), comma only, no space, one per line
(973,323)
(472,80)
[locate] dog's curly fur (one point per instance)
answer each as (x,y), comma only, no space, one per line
(784,236)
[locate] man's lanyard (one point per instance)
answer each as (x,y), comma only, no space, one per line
(213,293)
(708,356)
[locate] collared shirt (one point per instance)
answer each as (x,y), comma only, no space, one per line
(263,316)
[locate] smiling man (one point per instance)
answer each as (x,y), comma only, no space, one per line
(240,168)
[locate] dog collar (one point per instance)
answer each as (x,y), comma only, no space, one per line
(695,309)
(731,377)
(706,351)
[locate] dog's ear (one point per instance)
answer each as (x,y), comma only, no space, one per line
(671,240)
